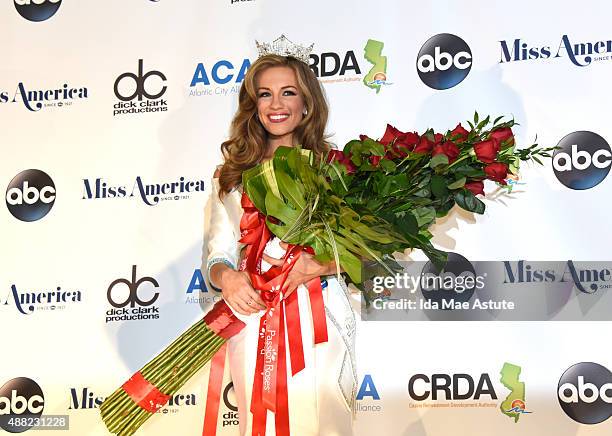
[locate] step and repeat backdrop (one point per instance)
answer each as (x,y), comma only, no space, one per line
(111,117)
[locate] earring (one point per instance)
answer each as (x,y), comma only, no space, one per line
(305,112)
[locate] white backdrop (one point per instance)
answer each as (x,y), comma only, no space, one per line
(85,243)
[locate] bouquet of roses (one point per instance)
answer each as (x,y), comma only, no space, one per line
(364,203)
(375,198)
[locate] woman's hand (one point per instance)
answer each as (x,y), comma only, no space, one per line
(237,290)
(305,269)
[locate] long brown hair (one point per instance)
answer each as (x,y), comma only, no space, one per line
(248,140)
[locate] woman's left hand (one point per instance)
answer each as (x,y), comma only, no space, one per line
(305,269)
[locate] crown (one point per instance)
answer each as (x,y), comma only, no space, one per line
(281,46)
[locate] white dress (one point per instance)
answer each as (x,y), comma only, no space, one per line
(322,395)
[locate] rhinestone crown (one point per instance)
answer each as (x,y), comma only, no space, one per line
(283,47)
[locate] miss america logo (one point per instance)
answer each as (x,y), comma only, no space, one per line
(35,99)
(150,194)
(580,54)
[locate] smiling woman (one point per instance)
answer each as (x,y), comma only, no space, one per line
(281,103)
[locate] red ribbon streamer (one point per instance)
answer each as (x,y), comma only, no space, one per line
(270,378)
(215,382)
(145,394)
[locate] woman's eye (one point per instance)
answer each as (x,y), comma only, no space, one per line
(289,92)
(264,94)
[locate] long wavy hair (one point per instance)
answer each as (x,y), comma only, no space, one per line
(248,141)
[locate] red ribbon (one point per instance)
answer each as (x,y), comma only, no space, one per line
(270,378)
(145,394)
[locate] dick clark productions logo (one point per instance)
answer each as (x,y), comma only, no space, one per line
(37,10)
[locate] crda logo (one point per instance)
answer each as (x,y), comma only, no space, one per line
(20,397)
(37,10)
(585,393)
(132,298)
(444,61)
(582,160)
(139,81)
(30,195)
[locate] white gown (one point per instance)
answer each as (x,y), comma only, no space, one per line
(322,395)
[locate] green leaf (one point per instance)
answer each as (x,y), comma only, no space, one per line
(468,201)
(388,165)
(438,186)
(391,184)
(374,147)
(459,183)
(424,215)
(292,191)
(279,209)
(438,160)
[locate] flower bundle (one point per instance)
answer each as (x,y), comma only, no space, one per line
(378,197)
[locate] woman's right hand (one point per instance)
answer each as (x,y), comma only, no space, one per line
(238,291)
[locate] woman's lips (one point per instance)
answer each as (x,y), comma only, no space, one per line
(278,118)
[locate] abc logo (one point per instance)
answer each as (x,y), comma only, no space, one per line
(582,160)
(451,284)
(444,61)
(139,85)
(18,397)
(585,393)
(30,195)
(37,10)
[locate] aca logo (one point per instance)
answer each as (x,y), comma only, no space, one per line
(223,74)
(35,100)
(37,10)
(30,195)
(147,88)
(20,397)
(28,302)
(198,284)
(585,393)
(133,293)
(367,389)
(444,61)
(230,418)
(151,194)
(514,404)
(582,160)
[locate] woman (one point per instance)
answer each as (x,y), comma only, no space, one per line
(281,103)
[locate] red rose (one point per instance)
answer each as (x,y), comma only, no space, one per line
(501,135)
(459,133)
(486,151)
(342,159)
(374,160)
(335,155)
(424,145)
(405,143)
(390,134)
(438,138)
(447,148)
(363,137)
(497,171)
(476,186)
